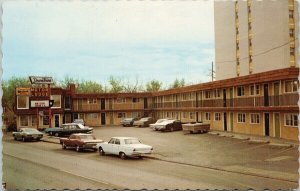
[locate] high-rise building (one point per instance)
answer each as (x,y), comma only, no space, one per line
(255,36)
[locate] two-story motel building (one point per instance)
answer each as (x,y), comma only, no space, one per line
(255,92)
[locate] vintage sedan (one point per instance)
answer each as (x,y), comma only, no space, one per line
(170,125)
(157,124)
(25,134)
(128,122)
(80,141)
(68,129)
(143,122)
(124,147)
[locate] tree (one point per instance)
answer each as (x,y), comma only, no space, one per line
(8,87)
(131,87)
(89,87)
(68,80)
(178,83)
(153,86)
(116,84)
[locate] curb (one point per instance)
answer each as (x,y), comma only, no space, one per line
(258,141)
(283,145)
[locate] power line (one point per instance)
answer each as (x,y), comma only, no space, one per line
(264,52)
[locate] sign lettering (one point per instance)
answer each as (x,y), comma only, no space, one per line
(40,80)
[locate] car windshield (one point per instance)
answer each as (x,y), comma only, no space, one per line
(31,130)
(132,141)
(128,119)
(144,119)
(78,120)
(160,120)
(86,137)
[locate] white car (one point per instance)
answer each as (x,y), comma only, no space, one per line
(124,147)
(160,123)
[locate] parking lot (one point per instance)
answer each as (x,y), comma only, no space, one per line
(212,151)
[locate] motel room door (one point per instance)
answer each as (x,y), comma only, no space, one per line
(267,124)
(225,121)
(56,120)
(103,122)
(277,125)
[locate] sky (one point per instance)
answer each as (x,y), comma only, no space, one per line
(92,40)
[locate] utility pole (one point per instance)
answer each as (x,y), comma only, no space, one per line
(212,71)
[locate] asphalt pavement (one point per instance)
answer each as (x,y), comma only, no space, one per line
(192,156)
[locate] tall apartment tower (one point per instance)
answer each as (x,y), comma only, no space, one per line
(255,36)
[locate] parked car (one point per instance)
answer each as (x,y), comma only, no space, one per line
(143,122)
(68,129)
(124,147)
(80,141)
(25,134)
(157,125)
(170,125)
(128,122)
(79,121)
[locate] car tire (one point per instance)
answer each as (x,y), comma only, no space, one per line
(94,150)
(77,148)
(101,151)
(23,139)
(56,134)
(171,129)
(63,146)
(15,138)
(51,133)
(122,155)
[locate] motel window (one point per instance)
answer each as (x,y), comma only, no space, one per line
(291,86)
(57,101)
(191,115)
(135,114)
(217,116)
(291,120)
(24,120)
(241,117)
(33,120)
(135,100)
(207,116)
(185,114)
(240,91)
(207,94)
(120,100)
(291,14)
(292,32)
(292,51)
(92,116)
(254,90)
(92,101)
(217,93)
(168,115)
(254,118)
(22,102)
(45,120)
(121,115)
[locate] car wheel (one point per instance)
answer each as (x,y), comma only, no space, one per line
(122,155)
(94,150)
(56,134)
(51,133)
(23,139)
(15,138)
(101,151)
(63,146)
(77,148)
(172,129)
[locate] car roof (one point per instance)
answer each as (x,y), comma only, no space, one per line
(124,137)
(81,134)
(70,124)
(26,128)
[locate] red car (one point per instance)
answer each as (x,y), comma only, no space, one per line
(80,142)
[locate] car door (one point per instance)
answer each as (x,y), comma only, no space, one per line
(116,146)
(109,146)
(71,141)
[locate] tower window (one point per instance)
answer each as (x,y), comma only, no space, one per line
(291,13)
(291,32)
(292,51)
